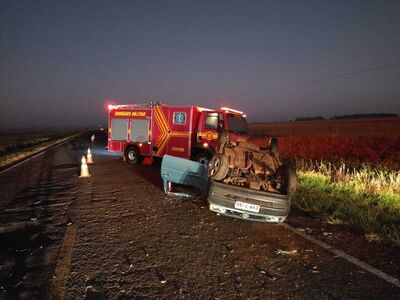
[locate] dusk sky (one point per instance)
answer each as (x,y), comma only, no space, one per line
(62,61)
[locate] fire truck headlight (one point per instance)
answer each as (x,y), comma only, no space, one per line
(205,145)
(140,144)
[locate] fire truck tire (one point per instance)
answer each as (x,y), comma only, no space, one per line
(288,180)
(218,167)
(132,156)
(202,157)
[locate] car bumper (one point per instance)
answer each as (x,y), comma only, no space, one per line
(224,198)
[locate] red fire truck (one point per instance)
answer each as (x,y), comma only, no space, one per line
(153,130)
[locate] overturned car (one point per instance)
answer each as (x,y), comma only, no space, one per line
(241,180)
(250,182)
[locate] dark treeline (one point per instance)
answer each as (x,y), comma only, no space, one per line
(318,118)
(361,116)
(353,116)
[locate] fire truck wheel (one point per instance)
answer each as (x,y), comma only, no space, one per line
(286,180)
(132,156)
(202,157)
(218,167)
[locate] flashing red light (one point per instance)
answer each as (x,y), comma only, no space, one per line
(227,109)
(109,104)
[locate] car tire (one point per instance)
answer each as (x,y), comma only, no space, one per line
(218,167)
(287,180)
(132,156)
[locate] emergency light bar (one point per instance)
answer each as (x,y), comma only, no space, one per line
(227,109)
(203,109)
(131,106)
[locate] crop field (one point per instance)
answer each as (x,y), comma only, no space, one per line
(348,170)
(358,142)
(388,127)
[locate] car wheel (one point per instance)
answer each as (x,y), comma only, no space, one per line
(286,180)
(132,156)
(218,167)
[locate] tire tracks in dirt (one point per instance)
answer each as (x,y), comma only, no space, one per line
(57,289)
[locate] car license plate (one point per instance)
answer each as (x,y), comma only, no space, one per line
(247,206)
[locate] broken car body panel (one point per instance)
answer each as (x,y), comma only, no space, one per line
(182,171)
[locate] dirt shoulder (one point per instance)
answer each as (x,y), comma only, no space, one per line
(379,254)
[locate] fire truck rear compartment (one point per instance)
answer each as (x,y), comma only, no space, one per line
(139,130)
(119,129)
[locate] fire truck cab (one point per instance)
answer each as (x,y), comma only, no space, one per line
(153,130)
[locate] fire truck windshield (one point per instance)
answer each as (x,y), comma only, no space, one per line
(237,124)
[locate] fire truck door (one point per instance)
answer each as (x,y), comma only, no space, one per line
(211,126)
(179,139)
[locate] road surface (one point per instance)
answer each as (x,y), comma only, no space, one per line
(116,235)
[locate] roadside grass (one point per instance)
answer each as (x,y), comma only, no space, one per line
(366,198)
(14,149)
(11,143)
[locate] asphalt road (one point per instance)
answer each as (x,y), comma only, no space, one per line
(116,235)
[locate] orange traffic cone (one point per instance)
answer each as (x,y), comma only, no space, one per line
(89,158)
(84,168)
